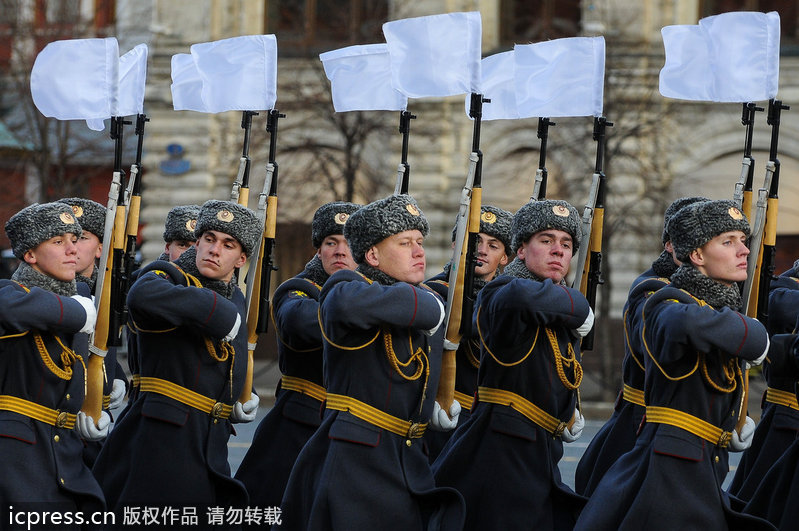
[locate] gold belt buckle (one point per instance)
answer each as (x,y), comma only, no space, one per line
(724,440)
(61,419)
(559,429)
(216,410)
(415,430)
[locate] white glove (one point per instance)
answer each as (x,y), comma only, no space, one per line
(440,421)
(91,313)
(87,430)
(584,328)
(117,393)
(741,441)
(247,411)
(440,319)
(571,435)
(233,331)
(754,363)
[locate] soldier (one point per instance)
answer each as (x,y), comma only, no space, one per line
(779,421)
(617,435)
(171,446)
(696,340)
(43,348)
(493,251)
(301,393)
(529,324)
(365,467)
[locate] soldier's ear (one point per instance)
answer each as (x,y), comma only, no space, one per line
(372,256)
(697,257)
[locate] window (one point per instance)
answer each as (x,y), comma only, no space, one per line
(306,28)
(526,21)
(789,29)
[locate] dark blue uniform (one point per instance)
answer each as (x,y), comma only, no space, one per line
(503,462)
(42,379)
(298,409)
(617,436)
(171,446)
(779,421)
(365,467)
(672,478)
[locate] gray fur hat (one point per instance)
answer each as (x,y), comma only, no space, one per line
(90,214)
(377,221)
(330,219)
(672,209)
(39,222)
(696,224)
(495,222)
(181,222)
(230,218)
(536,216)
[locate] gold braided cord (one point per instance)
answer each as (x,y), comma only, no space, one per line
(654,360)
(562,361)
(11,336)
(482,341)
(474,361)
(730,373)
(324,336)
(280,338)
(67,358)
(629,346)
(394,361)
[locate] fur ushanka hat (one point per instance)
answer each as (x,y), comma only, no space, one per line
(230,218)
(536,216)
(39,222)
(696,224)
(495,222)
(90,214)
(180,223)
(330,219)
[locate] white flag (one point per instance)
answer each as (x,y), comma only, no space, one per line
(360,79)
(498,86)
(239,73)
(732,57)
(76,79)
(187,85)
(132,78)
(435,56)
(561,77)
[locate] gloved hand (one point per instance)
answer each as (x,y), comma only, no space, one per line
(117,395)
(247,411)
(573,433)
(440,319)
(440,421)
(233,331)
(754,363)
(91,313)
(741,441)
(584,328)
(87,430)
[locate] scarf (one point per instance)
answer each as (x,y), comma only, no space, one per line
(664,265)
(315,272)
(703,287)
(29,277)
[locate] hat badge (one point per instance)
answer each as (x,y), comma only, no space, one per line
(341,218)
(735,213)
(225,215)
(77,210)
(488,217)
(560,210)
(191,224)
(412,209)
(67,218)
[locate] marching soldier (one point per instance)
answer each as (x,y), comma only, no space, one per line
(617,436)
(171,446)
(365,467)
(529,324)
(43,347)
(696,340)
(298,409)
(493,251)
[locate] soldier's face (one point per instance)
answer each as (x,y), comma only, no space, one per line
(723,258)
(56,257)
(547,254)
(175,248)
(334,253)
(89,249)
(490,255)
(401,256)
(218,255)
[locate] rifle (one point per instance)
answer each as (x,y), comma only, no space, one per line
(262,263)
(109,269)
(404,169)
(743,188)
(461,275)
(540,184)
(593,224)
(240,193)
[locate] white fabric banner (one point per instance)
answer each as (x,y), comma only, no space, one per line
(132,79)
(360,79)
(187,85)
(499,87)
(435,56)
(239,73)
(732,57)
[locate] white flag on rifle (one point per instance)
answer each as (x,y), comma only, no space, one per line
(435,56)
(360,79)
(732,57)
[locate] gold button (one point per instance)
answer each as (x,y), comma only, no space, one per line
(717,459)
(56,438)
(61,480)
(408,442)
(68,396)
